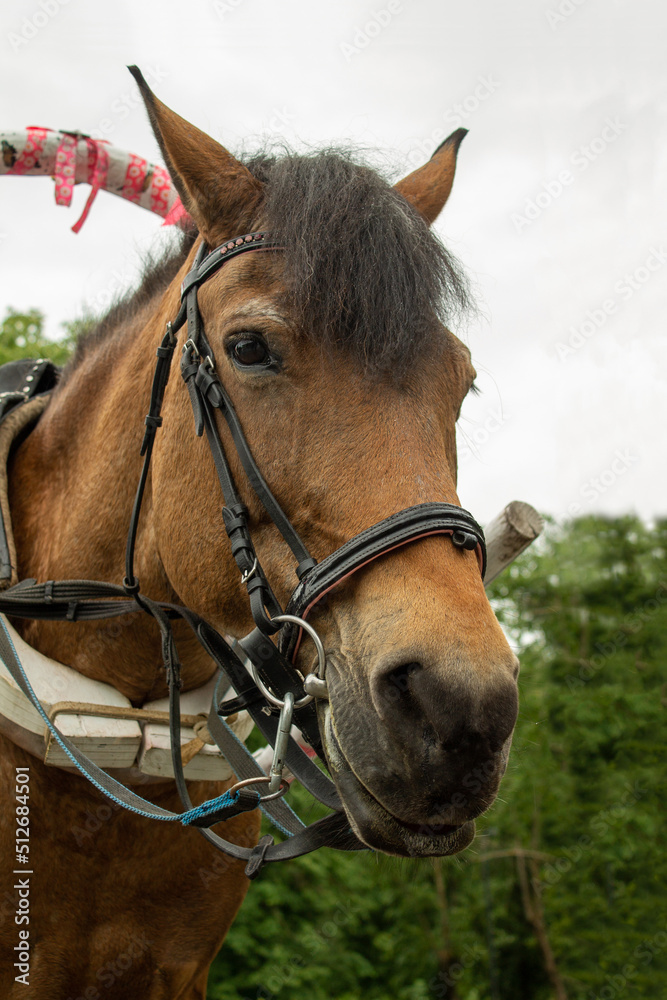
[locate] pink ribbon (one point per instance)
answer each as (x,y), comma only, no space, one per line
(98,168)
(29,155)
(65,172)
(176,213)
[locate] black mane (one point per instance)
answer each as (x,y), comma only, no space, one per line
(363,271)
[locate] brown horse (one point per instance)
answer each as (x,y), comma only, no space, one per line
(348,386)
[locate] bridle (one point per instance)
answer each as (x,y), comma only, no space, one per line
(263,675)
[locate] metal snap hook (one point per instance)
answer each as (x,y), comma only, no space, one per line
(281,744)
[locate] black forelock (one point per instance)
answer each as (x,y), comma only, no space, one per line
(364,273)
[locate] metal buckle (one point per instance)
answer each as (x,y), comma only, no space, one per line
(245,576)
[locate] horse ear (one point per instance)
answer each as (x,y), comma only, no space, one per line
(217,190)
(428,188)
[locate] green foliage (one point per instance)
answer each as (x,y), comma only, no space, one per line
(21,337)
(587,608)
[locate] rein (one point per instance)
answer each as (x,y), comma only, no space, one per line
(264,676)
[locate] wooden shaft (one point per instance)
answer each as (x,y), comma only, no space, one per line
(508,534)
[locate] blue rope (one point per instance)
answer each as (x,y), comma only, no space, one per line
(206,809)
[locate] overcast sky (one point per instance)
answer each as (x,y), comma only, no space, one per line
(558,210)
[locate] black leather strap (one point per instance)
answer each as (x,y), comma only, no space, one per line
(206,264)
(406,526)
(216,396)
(333,831)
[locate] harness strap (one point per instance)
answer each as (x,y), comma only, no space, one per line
(235,522)
(83,600)
(409,525)
(215,394)
(153,420)
(66,600)
(244,766)
(334,830)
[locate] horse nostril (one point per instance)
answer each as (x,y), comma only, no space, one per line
(396,683)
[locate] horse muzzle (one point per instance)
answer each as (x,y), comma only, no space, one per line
(375,825)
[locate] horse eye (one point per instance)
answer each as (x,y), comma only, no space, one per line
(250,351)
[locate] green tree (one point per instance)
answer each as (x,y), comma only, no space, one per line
(21,336)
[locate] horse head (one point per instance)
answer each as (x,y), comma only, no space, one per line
(348,385)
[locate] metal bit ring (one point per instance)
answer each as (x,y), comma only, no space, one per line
(261,780)
(321,663)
